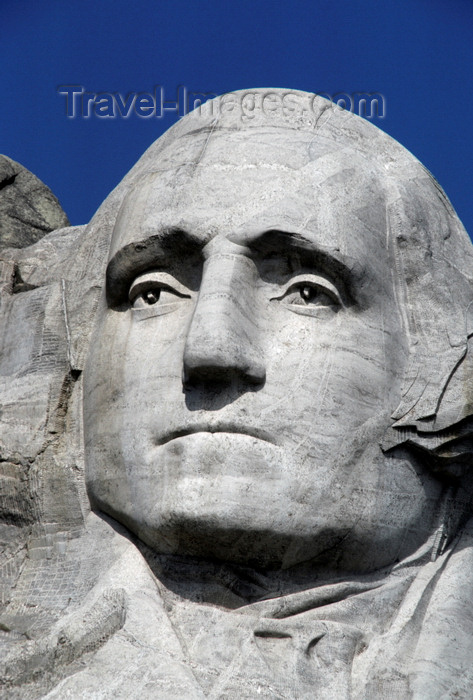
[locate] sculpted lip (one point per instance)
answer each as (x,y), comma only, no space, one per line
(256,433)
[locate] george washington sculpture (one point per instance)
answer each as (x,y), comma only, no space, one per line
(237,422)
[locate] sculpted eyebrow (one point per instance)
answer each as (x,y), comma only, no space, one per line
(166,249)
(278,242)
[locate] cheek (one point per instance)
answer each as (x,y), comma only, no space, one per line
(340,372)
(134,358)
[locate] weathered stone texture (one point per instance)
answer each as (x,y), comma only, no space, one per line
(28,209)
(236,423)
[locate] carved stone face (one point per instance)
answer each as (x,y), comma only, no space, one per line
(248,358)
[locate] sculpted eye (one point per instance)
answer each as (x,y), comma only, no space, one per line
(150,297)
(156,293)
(309,294)
(140,298)
(306,294)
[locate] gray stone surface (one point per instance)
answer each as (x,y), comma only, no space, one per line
(236,424)
(28,209)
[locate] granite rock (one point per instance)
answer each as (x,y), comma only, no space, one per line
(236,424)
(28,209)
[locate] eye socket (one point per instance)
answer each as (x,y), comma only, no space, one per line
(309,294)
(148,294)
(156,292)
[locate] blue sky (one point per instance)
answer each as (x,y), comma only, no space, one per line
(417,53)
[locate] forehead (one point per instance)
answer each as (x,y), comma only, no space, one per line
(242,182)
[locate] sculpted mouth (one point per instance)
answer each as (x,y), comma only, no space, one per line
(256,433)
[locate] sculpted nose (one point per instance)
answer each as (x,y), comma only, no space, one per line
(222,341)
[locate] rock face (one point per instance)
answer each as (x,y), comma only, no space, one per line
(236,424)
(28,209)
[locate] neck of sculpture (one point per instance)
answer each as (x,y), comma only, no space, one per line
(231,586)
